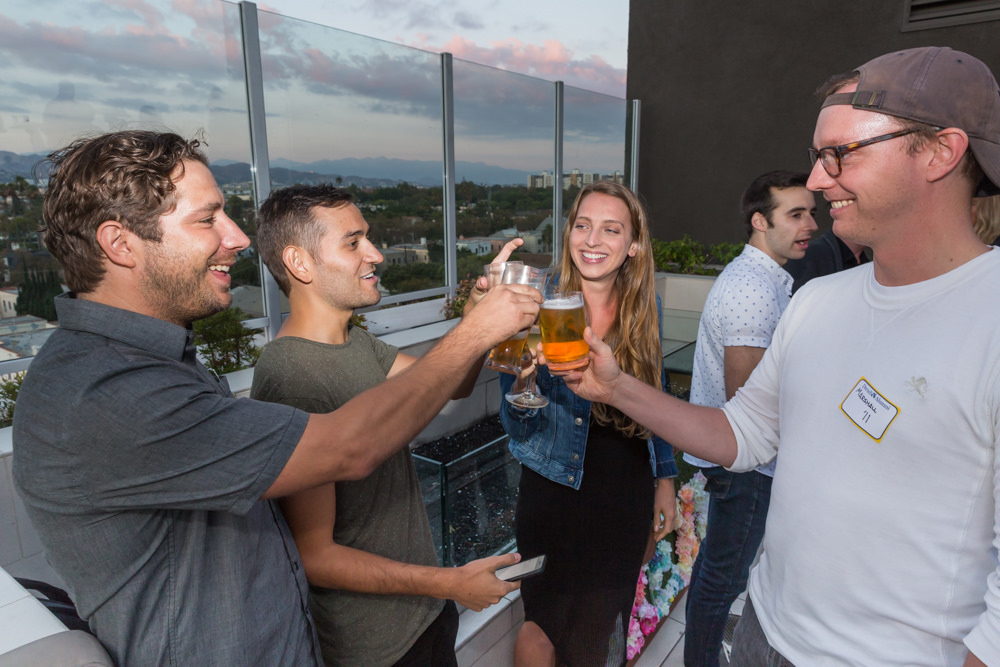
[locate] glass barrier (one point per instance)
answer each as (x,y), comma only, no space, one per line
(359,112)
(594,135)
(504,132)
(470,491)
(363,114)
(73,71)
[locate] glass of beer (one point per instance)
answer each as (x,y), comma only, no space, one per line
(506,357)
(562,320)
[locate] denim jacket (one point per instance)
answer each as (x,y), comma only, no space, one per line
(552,441)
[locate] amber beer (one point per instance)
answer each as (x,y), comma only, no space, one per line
(562,320)
(506,357)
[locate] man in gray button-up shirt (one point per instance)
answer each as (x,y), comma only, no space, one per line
(147,481)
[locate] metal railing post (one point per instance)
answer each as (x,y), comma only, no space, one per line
(260,170)
(448,192)
(557,183)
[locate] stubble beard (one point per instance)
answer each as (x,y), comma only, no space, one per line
(181,295)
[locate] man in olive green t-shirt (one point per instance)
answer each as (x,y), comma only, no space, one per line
(377,593)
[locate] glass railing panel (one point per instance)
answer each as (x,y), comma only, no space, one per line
(594,135)
(470,490)
(68,72)
(365,115)
(504,155)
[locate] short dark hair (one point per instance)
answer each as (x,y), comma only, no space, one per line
(286,218)
(128,176)
(758,198)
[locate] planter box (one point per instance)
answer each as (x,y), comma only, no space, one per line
(683,298)
(471,496)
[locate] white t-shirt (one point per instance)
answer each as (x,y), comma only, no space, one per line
(882,535)
(742,310)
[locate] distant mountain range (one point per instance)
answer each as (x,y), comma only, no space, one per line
(15,164)
(415,172)
(363,172)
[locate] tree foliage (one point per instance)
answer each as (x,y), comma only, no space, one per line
(35,293)
(402,278)
(20,214)
(224,343)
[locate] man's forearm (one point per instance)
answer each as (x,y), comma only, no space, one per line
(352,441)
(349,569)
(972,661)
(704,432)
(468,383)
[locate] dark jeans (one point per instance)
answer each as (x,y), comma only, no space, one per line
(437,645)
(737,512)
(750,645)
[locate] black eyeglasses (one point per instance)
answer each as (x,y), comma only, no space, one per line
(830,156)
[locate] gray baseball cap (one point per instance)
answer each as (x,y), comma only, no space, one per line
(937,86)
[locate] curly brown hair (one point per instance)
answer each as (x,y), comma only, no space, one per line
(128,177)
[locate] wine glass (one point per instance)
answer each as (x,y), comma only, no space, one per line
(506,356)
(529,398)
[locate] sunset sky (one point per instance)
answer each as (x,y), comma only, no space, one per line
(584,43)
(369,86)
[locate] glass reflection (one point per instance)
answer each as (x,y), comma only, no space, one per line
(360,112)
(504,130)
(366,115)
(90,67)
(594,135)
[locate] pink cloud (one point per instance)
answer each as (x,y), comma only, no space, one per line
(551,60)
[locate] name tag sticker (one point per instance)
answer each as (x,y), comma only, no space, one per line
(869,410)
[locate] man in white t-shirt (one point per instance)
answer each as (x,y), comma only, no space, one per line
(881,389)
(737,322)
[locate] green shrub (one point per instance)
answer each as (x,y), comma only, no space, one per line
(455,304)
(680,256)
(689,256)
(10,385)
(723,253)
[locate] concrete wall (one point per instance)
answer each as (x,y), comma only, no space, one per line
(727,93)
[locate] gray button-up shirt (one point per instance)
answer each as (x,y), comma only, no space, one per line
(142,475)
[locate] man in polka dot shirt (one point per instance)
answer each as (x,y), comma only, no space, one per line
(740,314)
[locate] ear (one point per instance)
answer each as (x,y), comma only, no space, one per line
(759,222)
(633,249)
(947,151)
(116,242)
(298,263)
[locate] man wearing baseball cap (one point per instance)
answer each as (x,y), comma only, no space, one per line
(881,389)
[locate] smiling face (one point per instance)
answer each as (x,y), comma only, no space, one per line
(601,238)
(185,275)
(786,234)
(872,198)
(344,268)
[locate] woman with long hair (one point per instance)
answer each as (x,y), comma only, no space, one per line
(593,527)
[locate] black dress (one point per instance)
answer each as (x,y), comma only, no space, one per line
(594,540)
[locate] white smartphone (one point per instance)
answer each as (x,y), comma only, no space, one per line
(526,568)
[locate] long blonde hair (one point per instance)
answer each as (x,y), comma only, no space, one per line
(634,336)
